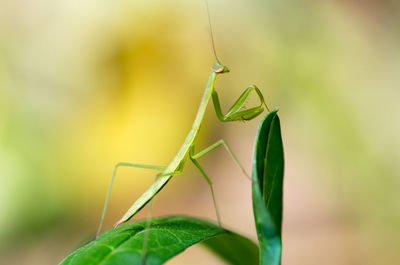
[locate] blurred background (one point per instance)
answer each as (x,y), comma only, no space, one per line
(85,84)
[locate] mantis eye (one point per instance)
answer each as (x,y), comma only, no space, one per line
(219,69)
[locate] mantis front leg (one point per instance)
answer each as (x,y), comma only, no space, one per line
(235,113)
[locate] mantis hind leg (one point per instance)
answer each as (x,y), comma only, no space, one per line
(147,231)
(121,164)
(150,215)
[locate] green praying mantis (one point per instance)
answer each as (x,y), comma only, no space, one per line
(187,151)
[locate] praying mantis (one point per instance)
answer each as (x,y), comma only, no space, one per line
(187,151)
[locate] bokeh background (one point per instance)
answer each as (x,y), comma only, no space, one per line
(85,84)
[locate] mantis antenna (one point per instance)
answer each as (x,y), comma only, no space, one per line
(211,31)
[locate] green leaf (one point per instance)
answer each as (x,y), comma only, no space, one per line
(234,249)
(168,236)
(267,188)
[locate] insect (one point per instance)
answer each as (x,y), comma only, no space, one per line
(187,150)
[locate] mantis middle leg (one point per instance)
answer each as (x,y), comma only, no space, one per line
(193,158)
(218,143)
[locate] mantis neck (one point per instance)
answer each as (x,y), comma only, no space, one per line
(191,137)
(204,101)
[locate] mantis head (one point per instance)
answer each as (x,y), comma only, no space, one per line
(219,68)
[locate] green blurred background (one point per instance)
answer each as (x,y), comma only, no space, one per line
(85,84)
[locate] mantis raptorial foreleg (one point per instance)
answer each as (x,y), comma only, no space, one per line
(122,164)
(235,113)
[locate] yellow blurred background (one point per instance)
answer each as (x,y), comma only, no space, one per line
(85,84)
